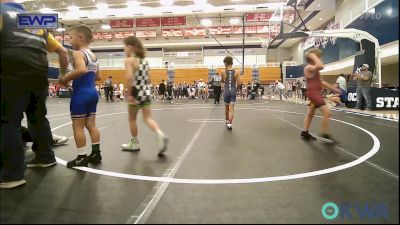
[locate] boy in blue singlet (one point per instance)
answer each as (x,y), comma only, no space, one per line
(231,79)
(84,96)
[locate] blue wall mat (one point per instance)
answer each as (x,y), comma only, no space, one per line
(294,71)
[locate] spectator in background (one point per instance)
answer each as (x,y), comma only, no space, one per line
(338,99)
(161,90)
(170,90)
(240,88)
(280,88)
(185,92)
(101,89)
(155,94)
(109,89)
(117,94)
(52,90)
(244,91)
(121,89)
(98,90)
(274,87)
(293,89)
(191,92)
(298,89)
(216,86)
(248,89)
(364,78)
(288,87)
(303,90)
(201,86)
(341,80)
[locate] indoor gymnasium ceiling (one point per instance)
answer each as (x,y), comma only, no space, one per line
(88,4)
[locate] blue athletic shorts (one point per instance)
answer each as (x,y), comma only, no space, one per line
(230,96)
(84,103)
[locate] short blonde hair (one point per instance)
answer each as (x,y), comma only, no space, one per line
(316,51)
(85,30)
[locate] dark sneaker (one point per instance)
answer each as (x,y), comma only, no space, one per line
(95,157)
(41,163)
(307,136)
(81,160)
(327,139)
(12,184)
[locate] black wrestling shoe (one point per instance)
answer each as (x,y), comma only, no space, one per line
(327,139)
(81,160)
(307,136)
(95,157)
(36,162)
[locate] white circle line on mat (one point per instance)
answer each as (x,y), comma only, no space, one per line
(372,152)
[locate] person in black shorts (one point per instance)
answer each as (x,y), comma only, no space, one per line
(139,95)
(230,78)
(161,90)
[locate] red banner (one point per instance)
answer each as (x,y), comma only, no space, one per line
(215,30)
(226,30)
(119,34)
(258,17)
(123,34)
(173,21)
(262,29)
(251,30)
(148,22)
(102,35)
(172,32)
(106,35)
(121,23)
(237,30)
(97,36)
(146,33)
(128,33)
(195,31)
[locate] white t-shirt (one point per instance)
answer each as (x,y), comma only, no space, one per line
(280,86)
(342,82)
(201,84)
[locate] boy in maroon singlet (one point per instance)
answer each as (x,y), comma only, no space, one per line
(314,87)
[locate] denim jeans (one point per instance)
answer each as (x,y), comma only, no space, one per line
(17,98)
(282,92)
(364,93)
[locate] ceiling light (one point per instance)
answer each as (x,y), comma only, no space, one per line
(102,6)
(234,21)
(105,27)
(389,12)
(200,2)
(133,3)
(73,8)
(46,10)
(206,22)
(319,5)
(320,18)
(166,2)
(60,29)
